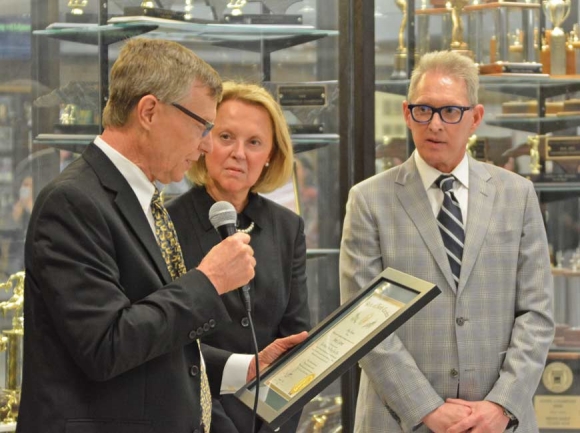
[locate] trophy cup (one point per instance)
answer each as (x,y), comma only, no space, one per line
(557,11)
(11,343)
(400,65)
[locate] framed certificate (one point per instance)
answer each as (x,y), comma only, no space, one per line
(336,344)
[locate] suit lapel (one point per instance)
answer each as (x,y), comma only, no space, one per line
(413,198)
(128,205)
(481,199)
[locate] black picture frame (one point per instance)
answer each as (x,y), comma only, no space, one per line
(394,294)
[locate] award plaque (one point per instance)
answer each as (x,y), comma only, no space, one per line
(557,399)
(562,148)
(336,344)
(309,107)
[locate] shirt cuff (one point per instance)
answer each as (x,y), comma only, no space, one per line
(235,373)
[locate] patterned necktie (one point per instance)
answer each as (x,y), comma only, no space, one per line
(450,225)
(171,251)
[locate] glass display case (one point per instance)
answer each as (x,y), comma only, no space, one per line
(342,96)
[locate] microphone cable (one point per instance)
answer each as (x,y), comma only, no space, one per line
(248,302)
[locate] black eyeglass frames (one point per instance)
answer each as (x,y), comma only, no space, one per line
(208,125)
(449,114)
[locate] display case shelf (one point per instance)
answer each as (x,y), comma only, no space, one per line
(78,142)
(538,125)
(249,37)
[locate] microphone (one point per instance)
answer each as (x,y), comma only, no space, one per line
(223,217)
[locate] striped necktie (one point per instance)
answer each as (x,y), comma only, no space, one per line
(450,225)
(171,251)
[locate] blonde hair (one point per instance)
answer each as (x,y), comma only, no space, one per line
(450,63)
(282,158)
(157,67)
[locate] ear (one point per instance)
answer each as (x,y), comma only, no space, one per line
(146,110)
(478,112)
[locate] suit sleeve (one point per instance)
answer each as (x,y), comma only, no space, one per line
(533,328)
(72,251)
(391,369)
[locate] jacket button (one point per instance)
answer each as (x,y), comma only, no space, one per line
(211,323)
(194,370)
(192,335)
(460,321)
(454,372)
(206,327)
(199,331)
(245,322)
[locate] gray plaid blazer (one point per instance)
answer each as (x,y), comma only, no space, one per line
(484,340)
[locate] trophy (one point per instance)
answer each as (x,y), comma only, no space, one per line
(77,6)
(534,144)
(256,12)
(457,41)
(11,343)
(236,6)
(521,45)
(557,11)
(400,66)
(77,13)
(154,8)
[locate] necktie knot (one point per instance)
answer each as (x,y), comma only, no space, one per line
(445,182)
(156,199)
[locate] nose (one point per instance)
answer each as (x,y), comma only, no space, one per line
(238,150)
(436,123)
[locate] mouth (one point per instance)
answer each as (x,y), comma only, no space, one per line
(235,170)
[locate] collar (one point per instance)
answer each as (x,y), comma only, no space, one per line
(429,174)
(139,183)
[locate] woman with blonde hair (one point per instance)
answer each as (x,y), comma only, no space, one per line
(252,153)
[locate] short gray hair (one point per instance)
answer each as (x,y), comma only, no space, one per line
(451,63)
(157,67)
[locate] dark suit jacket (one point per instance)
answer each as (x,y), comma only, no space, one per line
(106,328)
(278,291)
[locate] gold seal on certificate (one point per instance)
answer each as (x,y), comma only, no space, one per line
(336,344)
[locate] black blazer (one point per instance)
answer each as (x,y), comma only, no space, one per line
(106,328)
(278,291)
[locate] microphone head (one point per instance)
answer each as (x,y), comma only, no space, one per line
(222,213)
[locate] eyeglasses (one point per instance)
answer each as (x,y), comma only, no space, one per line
(449,114)
(208,125)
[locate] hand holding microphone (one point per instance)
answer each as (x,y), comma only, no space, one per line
(230,264)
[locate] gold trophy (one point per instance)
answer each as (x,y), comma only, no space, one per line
(457,41)
(77,6)
(400,66)
(236,7)
(11,343)
(557,11)
(534,143)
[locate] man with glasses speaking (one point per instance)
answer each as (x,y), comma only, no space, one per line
(112,316)
(470,360)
